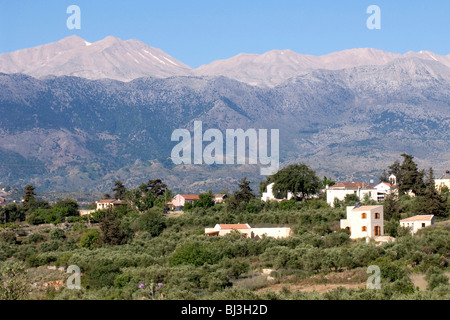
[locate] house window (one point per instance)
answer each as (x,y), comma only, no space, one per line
(377,215)
(364,229)
(363,215)
(423,225)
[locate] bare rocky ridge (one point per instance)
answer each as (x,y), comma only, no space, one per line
(126,60)
(111,58)
(277,66)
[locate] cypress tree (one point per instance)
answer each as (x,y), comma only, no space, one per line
(432,202)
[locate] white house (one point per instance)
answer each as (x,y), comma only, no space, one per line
(383,189)
(83,212)
(443,181)
(218,198)
(340,190)
(109,203)
(417,222)
(253,233)
(268,195)
(364,221)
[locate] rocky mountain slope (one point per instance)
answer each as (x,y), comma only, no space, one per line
(126,60)
(111,58)
(77,115)
(69,133)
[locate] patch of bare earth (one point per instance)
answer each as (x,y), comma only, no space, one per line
(352,279)
(320,288)
(419,280)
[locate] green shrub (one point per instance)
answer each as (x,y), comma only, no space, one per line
(57,234)
(435,278)
(36,238)
(63,260)
(101,274)
(8,237)
(122,280)
(90,239)
(6,251)
(391,270)
(194,254)
(152,222)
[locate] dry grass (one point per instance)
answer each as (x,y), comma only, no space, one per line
(419,280)
(319,288)
(351,279)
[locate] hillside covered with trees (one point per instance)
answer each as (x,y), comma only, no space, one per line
(143,251)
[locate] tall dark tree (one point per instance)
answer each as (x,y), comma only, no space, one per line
(409,176)
(156,187)
(69,207)
(384,176)
(327,182)
(298,179)
(111,231)
(391,207)
(395,169)
(120,192)
(29,196)
(245,192)
(432,202)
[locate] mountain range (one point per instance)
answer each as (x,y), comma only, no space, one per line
(76,115)
(113,58)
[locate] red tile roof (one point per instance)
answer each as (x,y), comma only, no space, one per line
(107,201)
(190,196)
(352,185)
(234,226)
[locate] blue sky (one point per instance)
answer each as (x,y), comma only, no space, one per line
(198,32)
